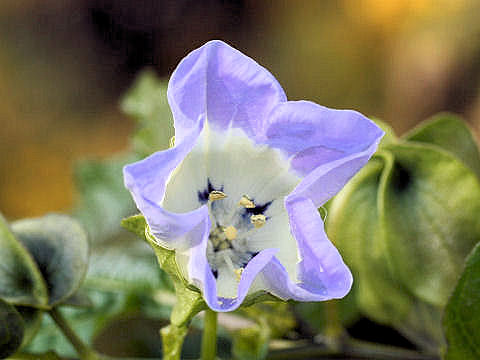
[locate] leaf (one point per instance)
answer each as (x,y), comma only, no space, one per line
(87,322)
(353,226)
(146,102)
(79,299)
(125,265)
(60,248)
(11,329)
(429,213)
(21,282)
(32,319)
(451,133)
(103,200)
(462,314)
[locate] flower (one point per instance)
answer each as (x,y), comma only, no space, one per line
(237,195)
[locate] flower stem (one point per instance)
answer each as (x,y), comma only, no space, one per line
(82,349)
(209,339)
(334,328)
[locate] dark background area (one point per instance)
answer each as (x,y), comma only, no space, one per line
(64,66)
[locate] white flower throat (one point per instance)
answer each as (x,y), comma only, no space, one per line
(244,185)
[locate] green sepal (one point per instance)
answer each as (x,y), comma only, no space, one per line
(59,246)
(11,329)
(451,133)
(21,282)
(461,321)
(189,300)
(389,137)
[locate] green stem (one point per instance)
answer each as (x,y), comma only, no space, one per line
(333,325)
(209,339)
(82,349)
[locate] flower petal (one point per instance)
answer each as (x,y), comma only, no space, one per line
(326,180)
(226,86)
(322,141)
(322,274)
(200,274)
(146,180)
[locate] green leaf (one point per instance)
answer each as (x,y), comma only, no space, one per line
(21,282)
(125,264)
(32,319)
(87,322)
(103,200)
(462,314)
(60,248)
(429,213)
(353,225)
(11,329)
(451,133)
(147,103)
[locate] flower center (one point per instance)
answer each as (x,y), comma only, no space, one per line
(228,240)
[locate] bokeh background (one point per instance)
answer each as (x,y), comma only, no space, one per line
(65,64)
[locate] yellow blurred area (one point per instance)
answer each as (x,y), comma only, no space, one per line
(392,14)
(65,64)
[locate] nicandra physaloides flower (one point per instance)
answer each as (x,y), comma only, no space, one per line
(237,195)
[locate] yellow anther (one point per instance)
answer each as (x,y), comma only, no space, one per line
(172,141)
(239,272)
(216,195)
(258,220)
(246,202)
(230,232)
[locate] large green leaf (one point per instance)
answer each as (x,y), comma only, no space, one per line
(353,225)
(462,314)
(32,319)
(429,213)
(11,329)
(21,282)
(451,133)
(60,248)
(147,103)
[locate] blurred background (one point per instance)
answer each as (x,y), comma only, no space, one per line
(64,66)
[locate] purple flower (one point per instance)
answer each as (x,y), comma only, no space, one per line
(237,196)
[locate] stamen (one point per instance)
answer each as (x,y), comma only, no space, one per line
(231,232)
(172,141)
(216,195)
(246,202)
(258,220)
(228,261)
(239,272)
